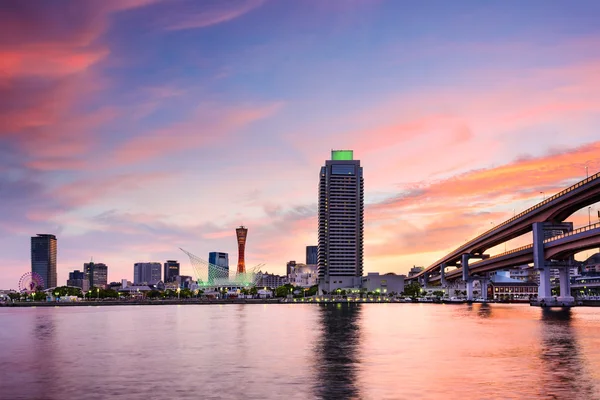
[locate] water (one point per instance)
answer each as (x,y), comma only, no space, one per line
(366,351)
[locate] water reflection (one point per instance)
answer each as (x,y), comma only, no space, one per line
(564,374)
(485,311)
(43,356)
(337,352)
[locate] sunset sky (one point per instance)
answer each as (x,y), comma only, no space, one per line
(130,128)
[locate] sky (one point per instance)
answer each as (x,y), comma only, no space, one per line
(133,128)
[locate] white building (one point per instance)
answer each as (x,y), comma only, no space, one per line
(387,283)
(302,275)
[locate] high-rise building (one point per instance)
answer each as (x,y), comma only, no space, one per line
(171,270)
(43,258)
(218,266)
(79,279)
(146,273)
(341,222)
(242,234)
(97,274)
(311,255)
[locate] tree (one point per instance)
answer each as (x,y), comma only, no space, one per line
(39,296)
(313,290)
(253,291)
(412,290)
(153,294)
(438,293)
(283,291)
(14,296)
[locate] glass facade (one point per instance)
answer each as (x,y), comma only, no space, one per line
(43,258)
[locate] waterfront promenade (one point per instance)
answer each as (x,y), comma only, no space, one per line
(299,301)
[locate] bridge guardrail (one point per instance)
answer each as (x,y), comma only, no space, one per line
(573,232)
(527,246)
(538,205)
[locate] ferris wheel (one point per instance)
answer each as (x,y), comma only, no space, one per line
(30,281)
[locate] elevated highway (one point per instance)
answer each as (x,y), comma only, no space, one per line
(554,209)
(559,248)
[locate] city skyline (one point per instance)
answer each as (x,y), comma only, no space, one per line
(102,120)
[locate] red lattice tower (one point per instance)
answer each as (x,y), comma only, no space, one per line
(242,233)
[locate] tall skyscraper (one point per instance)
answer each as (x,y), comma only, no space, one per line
(218,267)
(43,258)
(171,270)
(341,220)
(311,255)
(242,234)
(146,273)
(97,274)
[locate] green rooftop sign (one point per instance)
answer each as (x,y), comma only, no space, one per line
(342,155)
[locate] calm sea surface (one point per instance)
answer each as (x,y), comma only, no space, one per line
(366,351)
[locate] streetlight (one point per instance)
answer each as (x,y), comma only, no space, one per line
(178,291)
(587,175)
(89,294)
(543,196)
(97,293)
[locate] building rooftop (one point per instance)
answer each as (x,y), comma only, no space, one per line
(342,155)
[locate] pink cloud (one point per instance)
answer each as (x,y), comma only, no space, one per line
(209,125)
(86,191)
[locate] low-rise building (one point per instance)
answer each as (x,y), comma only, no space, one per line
(415,270)
(504,288)
(302,275)
(271,280)
(386,283)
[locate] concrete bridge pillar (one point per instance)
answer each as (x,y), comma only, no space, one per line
(539,262)
(464,262)
(484,287)
(542,231)
(470,289)
(565,286)
(443,275)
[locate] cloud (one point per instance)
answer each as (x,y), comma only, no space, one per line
(439,216)
(211,13)
(209,125)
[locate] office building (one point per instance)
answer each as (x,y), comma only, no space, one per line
(184,281)
(146,273)
(97,274)
(218,266)
(311,255)
(289,267)
(171,270)
(79,279)
(341,222)
(242,234)
(43,258)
